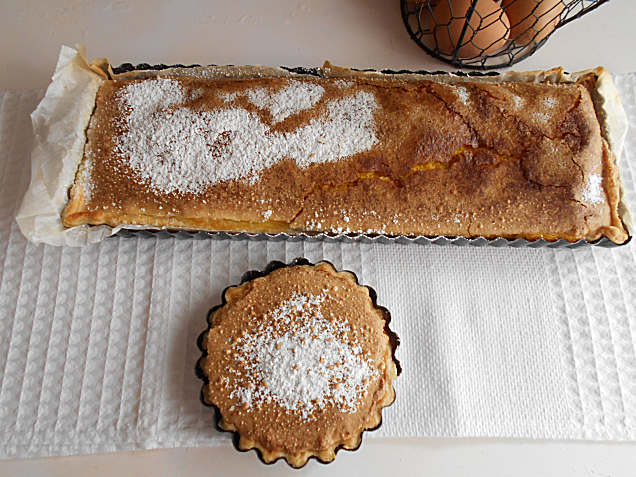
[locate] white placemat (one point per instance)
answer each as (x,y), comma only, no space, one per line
(98,344)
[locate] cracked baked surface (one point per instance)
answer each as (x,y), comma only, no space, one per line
(354,155)
(299,363)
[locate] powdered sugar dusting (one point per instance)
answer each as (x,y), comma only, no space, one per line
(593,192)
(304,368)
(293,98)
(541,117)
(146,97)
(462,93)
(550,102)
(179,150)
(519,102)
(343,84)
(87,179)
(229,97)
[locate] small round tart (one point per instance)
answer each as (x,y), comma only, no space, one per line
(298,361)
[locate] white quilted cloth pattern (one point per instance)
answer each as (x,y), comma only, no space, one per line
(594,296)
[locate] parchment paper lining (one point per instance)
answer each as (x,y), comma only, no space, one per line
(61,119)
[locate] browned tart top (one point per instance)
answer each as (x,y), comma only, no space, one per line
(299,362)
(355,155)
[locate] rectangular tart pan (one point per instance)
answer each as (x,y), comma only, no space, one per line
(144,70)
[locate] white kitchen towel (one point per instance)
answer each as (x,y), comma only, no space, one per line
(98,344)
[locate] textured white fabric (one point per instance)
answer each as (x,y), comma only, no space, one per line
(480,343)
(98,344)
(594,296)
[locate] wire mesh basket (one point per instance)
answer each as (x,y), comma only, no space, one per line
(488,34)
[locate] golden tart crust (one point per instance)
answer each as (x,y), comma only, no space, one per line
(298,362)
(512,160)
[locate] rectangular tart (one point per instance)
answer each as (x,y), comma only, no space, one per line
(357,155)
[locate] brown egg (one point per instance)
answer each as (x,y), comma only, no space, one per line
(432,3)
(487,31)
(532,19)
(421,5)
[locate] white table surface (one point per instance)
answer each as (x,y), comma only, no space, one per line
(357,33)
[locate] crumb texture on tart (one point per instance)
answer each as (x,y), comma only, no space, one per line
(298,363)
(361,155)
